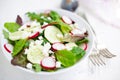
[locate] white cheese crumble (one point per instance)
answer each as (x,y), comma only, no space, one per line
(46,49)
(50,51)
(45,23)
(58,64)
(29,66)
(42,17)
(40,37)
(49,18)
(35,24)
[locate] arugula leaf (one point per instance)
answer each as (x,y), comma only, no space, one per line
(34,16)
(85,40)
(11,26)
(36,67)
(67,58)
(78,52)
(65,28)
(18,46)
(54,15)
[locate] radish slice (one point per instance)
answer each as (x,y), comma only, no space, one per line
(8,47)
(45,26)
(58,46)
(66,20)
(34,35)
(48,63)
(84,46)
(50,24)
(77,32)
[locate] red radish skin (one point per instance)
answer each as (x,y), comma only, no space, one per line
(84,46)
(66,20)
(48,63)
(43,27)
(34,35)
(58,46)
(8,47)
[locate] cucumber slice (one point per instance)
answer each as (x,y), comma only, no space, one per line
(18,35)
(51,33)
(34,55)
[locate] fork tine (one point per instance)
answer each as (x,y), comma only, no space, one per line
(98,60)
(101,61)
(107,51)
(91,59)
(103,53)
(94,59)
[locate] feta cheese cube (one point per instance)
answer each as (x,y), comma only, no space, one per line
(29,66)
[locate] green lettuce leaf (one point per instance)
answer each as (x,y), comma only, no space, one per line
(6,34)
(78,52)
(67,58)
(19,45)
(65,28)
(36,67)
(11,26)
(85,40)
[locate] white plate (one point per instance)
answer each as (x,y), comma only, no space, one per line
(52,75)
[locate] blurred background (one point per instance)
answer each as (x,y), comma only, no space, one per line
(103,15)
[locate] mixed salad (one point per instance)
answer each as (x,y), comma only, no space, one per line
(46,42)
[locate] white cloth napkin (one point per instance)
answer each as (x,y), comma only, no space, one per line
(108,11)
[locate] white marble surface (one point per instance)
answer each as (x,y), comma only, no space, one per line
(107,33)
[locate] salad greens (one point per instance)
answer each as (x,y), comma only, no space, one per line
(11,26)
(78,52)
(69,57)
(6,34)
(36,67)
(65,28)
(45,43)
(18,46)
(20,59)
(85,40)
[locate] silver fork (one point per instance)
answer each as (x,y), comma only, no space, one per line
(99,51)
